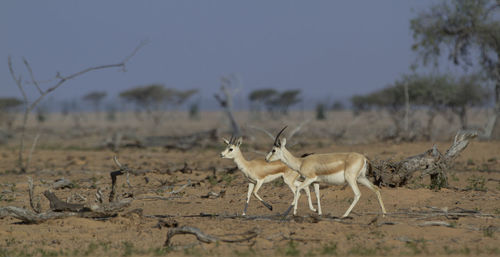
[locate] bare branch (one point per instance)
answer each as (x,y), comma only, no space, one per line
(206,238)
(33,146)
(226,103)
(61,80)
(142,44)
(33,80)
(31,188)
(17,80)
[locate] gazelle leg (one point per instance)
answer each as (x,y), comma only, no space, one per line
(375,189)
(304,184)
(308,193)
(357,195)
(256,189)
(309,200)
(316,191)
(250,189)
(296,194)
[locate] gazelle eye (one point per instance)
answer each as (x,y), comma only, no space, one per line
(274,150)
(230,149)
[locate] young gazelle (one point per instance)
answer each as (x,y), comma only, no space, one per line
(332,168)
(259,172)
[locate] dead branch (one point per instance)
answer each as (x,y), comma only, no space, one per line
(435,223)
(32,217)
(298,239)
(434,212)
(214,195)
(113,175)
(60,209)
(123,168)
(202,237)
(181,188)
(431,162)
(155,197)
(60,81)
(206,238)
(227,101)
(33,146)
(98,196)
(57,205)
(31,189)
(62,183)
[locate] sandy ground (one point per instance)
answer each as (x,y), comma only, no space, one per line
(71,147)
(475,186)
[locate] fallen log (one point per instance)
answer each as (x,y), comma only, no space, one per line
(30,217)
(57,205)
(432,162)
(64,211)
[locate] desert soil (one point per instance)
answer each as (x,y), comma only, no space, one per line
(406,230)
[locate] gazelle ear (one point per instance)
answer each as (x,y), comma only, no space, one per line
(240,140)
(226,141)
(283,142)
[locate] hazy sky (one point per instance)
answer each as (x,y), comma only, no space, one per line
(329,49)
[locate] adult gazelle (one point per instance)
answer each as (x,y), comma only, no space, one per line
(331,168)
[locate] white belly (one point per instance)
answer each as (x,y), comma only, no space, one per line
(272,177)
(334,179)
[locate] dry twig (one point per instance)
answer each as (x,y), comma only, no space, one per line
(206,238)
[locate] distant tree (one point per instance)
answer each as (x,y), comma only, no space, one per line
(320,111)
(435,93)
(194,110)
(7,106)
(283,101)
(273,100)
(337,106)
(95,98)
(467,92)
(262,97)
(359,104)
(470,29)
(155,99)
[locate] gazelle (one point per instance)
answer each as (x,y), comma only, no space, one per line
(259,172)
(331,168)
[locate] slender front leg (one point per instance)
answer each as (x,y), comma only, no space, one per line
(304,184)
(357,195)
(250,189)
(308,193)
(309,200)
(257,187)
(316,191)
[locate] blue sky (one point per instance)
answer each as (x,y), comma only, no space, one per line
(329,49)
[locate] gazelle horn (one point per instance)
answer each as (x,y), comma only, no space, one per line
(276,140)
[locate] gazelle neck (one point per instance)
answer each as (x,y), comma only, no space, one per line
(290,160)
(240,161)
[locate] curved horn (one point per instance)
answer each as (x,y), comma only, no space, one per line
(276,142)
